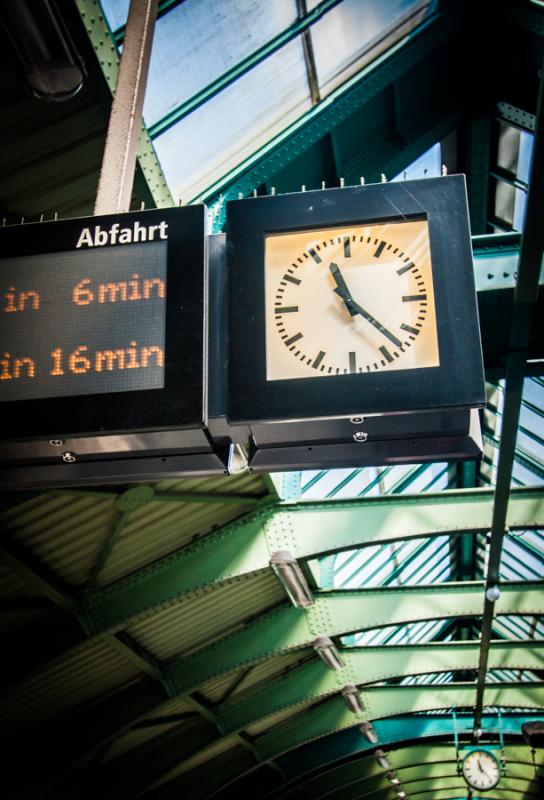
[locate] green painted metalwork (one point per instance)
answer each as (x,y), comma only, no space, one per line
(107,547)
(228,77)
(313,680)
(307,530)
(336,108)
(338,613)
(106,53)
(36,574)
(364,778)
(423,779)
(523,312)
(405,739)
(388,701)
(163,8)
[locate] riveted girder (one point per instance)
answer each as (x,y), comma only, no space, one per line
(389,701)
(340,613)
(307,530)
(313,680)
(324,754)
(410,763)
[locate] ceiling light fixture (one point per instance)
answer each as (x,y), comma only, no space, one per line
(401,793)
(327,652)
(350,694)
(369,732)
(292,578)
(393,778)
(382,759)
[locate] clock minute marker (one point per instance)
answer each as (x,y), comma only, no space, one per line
(409,329)
(352,362)
(285,309)
(293,339)
(409,298)
(291,279)
(386,354)
(318,359)
(314,255)
(347,247)
(380,248)
(405,268)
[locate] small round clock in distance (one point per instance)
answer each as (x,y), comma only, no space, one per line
(481,770)
(349,300)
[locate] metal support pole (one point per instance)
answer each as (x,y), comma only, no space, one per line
(119,161)
(525,296)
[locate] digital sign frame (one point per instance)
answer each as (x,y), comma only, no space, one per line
(141,384)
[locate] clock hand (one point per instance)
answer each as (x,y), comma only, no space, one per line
(341,287)
(354,308)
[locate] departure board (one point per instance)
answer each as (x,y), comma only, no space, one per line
(103,324)
(83,323)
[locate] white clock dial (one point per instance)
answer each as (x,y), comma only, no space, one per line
(481,770)
(356,299)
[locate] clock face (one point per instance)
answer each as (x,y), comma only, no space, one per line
(348,300)
(481,770)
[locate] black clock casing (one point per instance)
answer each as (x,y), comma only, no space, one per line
(457,382)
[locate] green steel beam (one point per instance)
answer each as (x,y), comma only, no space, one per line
(290,628)
(126,777)
(301,24)
(308,530)
(309,683)
(313,681)
(333,715)
(410,763)
(459,792)
(106,550)
(380,702)
(405,738)
(425,778)
(337,107)
(107,56)
(341,613)
(525,298)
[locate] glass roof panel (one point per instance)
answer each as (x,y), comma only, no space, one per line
(235,123)
(413,633)
(518,627)
(428,165)
(529,457)
(199,40)
(356,31)
(116,12)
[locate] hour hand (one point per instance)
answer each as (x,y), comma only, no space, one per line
(342,288)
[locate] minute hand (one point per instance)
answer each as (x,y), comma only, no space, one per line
(355,308)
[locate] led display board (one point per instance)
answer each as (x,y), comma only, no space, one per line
(103,325)
(91,325)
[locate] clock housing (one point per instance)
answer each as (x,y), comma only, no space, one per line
(428,221)
(481,770)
